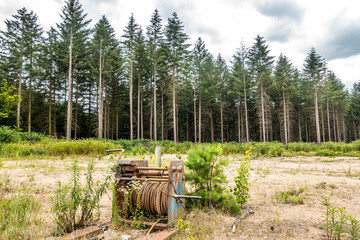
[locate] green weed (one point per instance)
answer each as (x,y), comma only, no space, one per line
(290,196)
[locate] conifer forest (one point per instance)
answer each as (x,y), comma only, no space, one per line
(74,81)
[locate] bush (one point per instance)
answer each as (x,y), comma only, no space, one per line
(241,191)
(8,135)
(20,217)
(73,206)
(290,196)
(207,176)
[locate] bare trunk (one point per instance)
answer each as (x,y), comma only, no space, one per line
(337,125)
(30,95)
(101,95)
(142,113)
(76,110)
(221,119)
(306,130)
(138,107)
(317,122)
(285,120)
(117,124)
(131,100)
(212,124)
(19,88)
(199,117)
(299,120)
(195,125)
(54,124)
(151,117)
(69,108)
(322,123)
(328,118)
(262,112)
(174,104)
(162,115)
(246,111)
(238,116)
(50,100)
(155,125)
(334,124)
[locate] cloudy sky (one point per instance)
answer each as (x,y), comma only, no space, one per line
(290,27)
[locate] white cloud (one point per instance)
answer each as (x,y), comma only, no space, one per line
(290,27)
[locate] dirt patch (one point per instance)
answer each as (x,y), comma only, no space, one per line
(338,178)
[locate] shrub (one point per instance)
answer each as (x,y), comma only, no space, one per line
(241,191)
(73,206)
(20,217)
(207,176)
(8,135)
(290,196)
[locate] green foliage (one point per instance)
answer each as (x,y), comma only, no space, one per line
(242,180)
(73,205)
(8,100)
(290,196)
(8,135)
(338,224)
(20,217)
(207,176)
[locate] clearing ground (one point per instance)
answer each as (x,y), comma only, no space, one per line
(338,178)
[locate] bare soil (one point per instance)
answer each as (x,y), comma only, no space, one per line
(338,178)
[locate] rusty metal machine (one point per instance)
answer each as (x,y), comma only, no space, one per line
(160,189)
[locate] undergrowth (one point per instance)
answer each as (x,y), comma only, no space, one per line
(20,217)
(74,205)
(339,224)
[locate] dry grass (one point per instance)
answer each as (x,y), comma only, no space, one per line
(272,220)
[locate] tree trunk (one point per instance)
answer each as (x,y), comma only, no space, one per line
(117,124)
(69,107)
(246,110)
(54,124)
(317,122)
(30,94)
(101,95)
(138,107)
(285,119)
(337,125)
(131,100)
(76,110)
(199,117)
(262,112)
(195,125)
(238,117)
(151,117)
(19,86)
(162,114)
(334,124)
(299,120)
(174,104)
(212,124)
(221,119)
(322,123)
(155,125)
(142,112)
(328,118)
(50,99)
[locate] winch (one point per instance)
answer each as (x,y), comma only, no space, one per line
(155,190)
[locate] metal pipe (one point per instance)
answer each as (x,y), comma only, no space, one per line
(152,168)
(145,179)
(186,196)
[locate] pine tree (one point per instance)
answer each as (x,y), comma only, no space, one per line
(200,59)
(283,75)
(20,42)
(130,32)
(175,39)
(313,70)
(74,33)
(155,36)
(260,66)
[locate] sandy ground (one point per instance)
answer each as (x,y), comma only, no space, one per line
(340,178)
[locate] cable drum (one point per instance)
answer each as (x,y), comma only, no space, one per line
(153,198)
